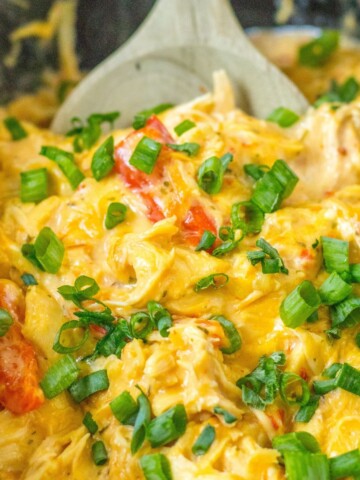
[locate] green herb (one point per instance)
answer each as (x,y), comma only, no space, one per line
(15,128)
(115,214)
(299,305)
(145,155)
(28,279)
(317,52)
(206,242)
(183,127)
(90,423)
(283,117)
(204,441)
(65,161)
(247,217)
(86,386)
(269,258)
(99,453)
(160,317)
(124,408)
(34,185)
(103,159)
(190,149)
(255,171)
(211,173)
(156,467)
(216,280)
(231,333)
(6,321)
(59,377)
(345,93)
(228,417)
(167,427)
(142,423)
(141,118)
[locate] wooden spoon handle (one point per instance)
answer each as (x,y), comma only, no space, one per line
(190,22)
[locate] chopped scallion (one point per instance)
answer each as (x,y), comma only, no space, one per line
(49,250)
(71,325)
(167,427)
(216,280)
(33,185)
(302,302)
(228,417)
(141,423)
(204,441)
(231,333)
(90,423)
(317,52)
(184,126)
(115,214)
(59,377)
(28,279)
(160,317)
(283,117)
(334,289)
(124,408)
(65,161)
(207,241)
(145,155)
(88,385)
(141,118)
(156,467)
(190,149)
(6,321)
(103,159)
(141,325)
(99,453)
(247,217)
(15,128)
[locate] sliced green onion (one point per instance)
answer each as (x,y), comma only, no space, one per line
(315,244)
(314,317)
(296,442)
(255,256)
(207,241)
(348,379)
(65,161)
(99,453)
(160,317)
(226,233)
(334,289)
(231,334)
(225,160)
(145,155)
(255,171)
(15,128)
(88,385)
(336,255)
(283,117)
(321,387)
(115,214)
(267,194)
(306,412)
(225,247)
(6,321)
(302,302)
(141,325)
(28,279)
(112,343)
(84,289)
(28,252)
(141,423)
(210,175)
(167,427)
(59,377)
(289,386)
(345,465)
(345,93)
(228,417)
(103,159)
(355,272)
(49,250)
(34,185)
(309,466)
(124,408)
(273,264)
(183,127)
(204,441)
(141,118)
(247,217)
(317,52)
(71,325)
(156,467)
(216,280)
(346,314)
(288,179)
(190,149)
(90,423)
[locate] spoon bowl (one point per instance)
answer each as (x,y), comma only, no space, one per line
(171,59)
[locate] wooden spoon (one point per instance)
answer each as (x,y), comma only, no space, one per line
(171,58)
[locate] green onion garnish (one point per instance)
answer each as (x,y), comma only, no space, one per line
(228,417)
(269,257)
(103,159)
(345,465)
(141,325)
(346,314)
(124,408)
(207,241)
(355,272)
(231,333)
(15,128)
(247,217)
(283,117)
(345,93)
(160,317)
(34,185)
(59,377)
(183,127)
(99,453)
(167,427)
(317,52)
(141,118)
(28,252)
(156,467)
(28,279)
(86,135)
(334,289)
(90,423)
(88,385)
(49,250)
(293,389)
(211,173)
(255,171)
(336,255)
(340,375)
(190,149)
(145,155)
(309,466)
(115,214)
(6,321)
(306,412)
(216,280)
(226,247)
(302,302)
(112,343)
(204,441)
(71,325)
(296,442)
(141,423)
(65,161)
(84,289)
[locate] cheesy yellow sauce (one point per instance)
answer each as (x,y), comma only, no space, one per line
(139,261)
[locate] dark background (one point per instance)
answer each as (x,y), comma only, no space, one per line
(103,25)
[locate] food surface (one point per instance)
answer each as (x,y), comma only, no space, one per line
(180,299)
